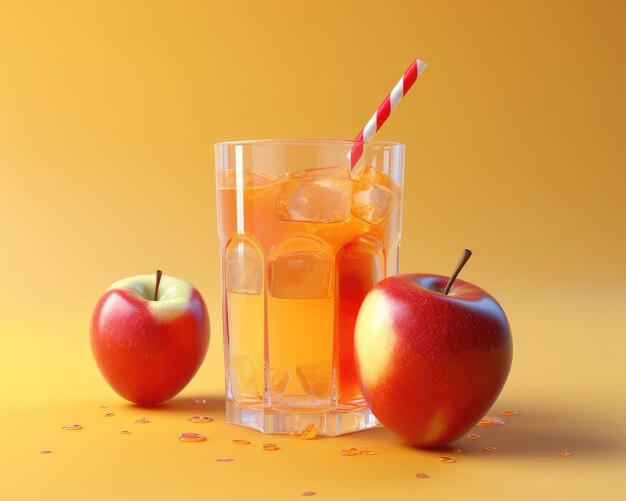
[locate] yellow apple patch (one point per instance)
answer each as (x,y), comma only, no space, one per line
(374,337)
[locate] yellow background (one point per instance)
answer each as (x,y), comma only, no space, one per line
(515,141)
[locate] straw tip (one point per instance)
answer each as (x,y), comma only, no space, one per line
(421,66)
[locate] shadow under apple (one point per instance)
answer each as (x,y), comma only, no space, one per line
(538,431)
(186,404)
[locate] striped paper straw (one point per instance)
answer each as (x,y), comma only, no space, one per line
(384,110)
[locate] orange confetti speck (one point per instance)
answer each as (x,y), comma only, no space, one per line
(491,421)
(200,419)
(238,441)
(72,427)
(349,452)
(191,437)
(309,432)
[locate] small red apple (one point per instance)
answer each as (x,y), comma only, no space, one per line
(431,363)
(149,341)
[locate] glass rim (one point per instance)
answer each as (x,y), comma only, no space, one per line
(308,142)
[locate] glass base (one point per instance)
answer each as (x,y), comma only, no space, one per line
(331,423)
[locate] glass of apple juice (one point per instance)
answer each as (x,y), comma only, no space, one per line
(303,238)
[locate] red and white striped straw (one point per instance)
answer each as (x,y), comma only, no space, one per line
(385,109)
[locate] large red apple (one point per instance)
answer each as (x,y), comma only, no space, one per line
(149,349)
(431,364)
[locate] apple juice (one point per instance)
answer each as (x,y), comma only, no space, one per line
(300,252)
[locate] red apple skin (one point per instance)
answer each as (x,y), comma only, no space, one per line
(431,365)
(147,359)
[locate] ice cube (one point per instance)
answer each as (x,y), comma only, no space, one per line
(314,195)
(279,378)
(299,268)
(248,378)
(374,195)
(315,378)
(244,267)
(245,374)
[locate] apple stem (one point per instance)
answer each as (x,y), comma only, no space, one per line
(464,257)
(158,281)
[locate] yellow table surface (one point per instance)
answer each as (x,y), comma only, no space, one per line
(566,383)
(515,148)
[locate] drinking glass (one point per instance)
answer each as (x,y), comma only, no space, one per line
(303,238)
